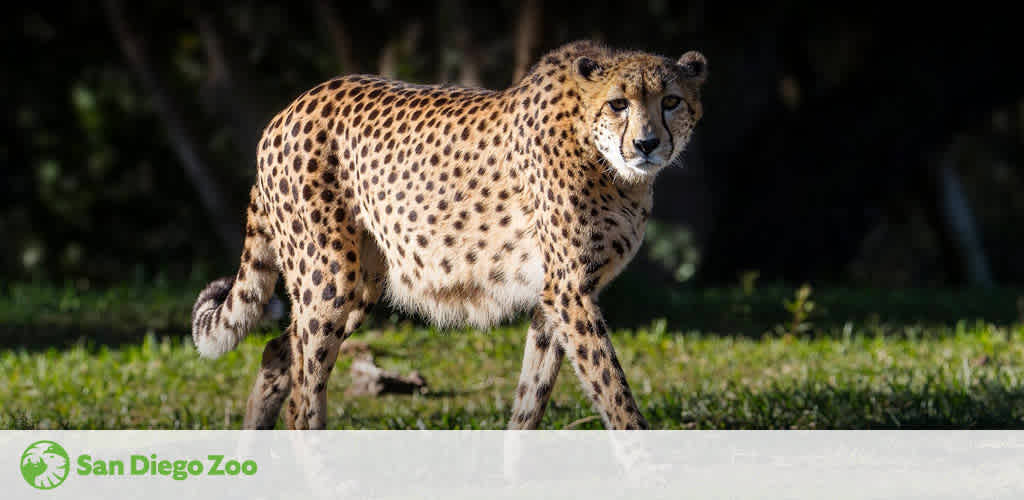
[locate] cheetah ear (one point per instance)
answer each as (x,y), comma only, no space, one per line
(694,66)
(587,69)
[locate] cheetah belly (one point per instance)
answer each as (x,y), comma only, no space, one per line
(449,291)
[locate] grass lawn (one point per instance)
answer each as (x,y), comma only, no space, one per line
(121,358)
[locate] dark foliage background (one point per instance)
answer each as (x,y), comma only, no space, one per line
(848,145)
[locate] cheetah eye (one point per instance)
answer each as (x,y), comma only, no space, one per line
(670,102)
(618,104)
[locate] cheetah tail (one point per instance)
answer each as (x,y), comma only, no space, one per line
(228,307)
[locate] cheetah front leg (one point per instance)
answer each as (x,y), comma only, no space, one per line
(542,358)
(584,333)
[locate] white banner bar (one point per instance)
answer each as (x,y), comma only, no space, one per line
(495,464)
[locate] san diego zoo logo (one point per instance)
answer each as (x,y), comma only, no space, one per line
(45,465)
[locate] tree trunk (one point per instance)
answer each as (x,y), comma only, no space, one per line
(459,56)
(210,193)
(469,70)
(527,37)
(340,39)
(387,66)
(224,99)
(958,227)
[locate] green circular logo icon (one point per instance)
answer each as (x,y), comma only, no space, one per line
(44,465)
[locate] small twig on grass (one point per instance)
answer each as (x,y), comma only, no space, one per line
(370,380)
(581,421)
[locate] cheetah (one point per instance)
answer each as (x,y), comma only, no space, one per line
(465,206)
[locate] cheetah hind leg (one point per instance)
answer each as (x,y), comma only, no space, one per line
(321,328)
(273,383)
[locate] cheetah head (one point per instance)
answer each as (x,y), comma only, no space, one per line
(639,109)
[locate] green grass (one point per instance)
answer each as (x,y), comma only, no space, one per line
(119,359)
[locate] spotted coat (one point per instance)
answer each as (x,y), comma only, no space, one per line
(465,206)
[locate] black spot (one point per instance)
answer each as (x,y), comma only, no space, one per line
(329,291)
(543,341)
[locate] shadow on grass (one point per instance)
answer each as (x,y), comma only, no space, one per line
(40,319)
(633,303)
(987,406)
(43,336)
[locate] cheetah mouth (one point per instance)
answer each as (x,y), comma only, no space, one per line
(638,170)
(644,165)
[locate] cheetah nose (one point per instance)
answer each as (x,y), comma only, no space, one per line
(647,145)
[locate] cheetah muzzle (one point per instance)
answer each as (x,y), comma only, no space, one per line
(466,206)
